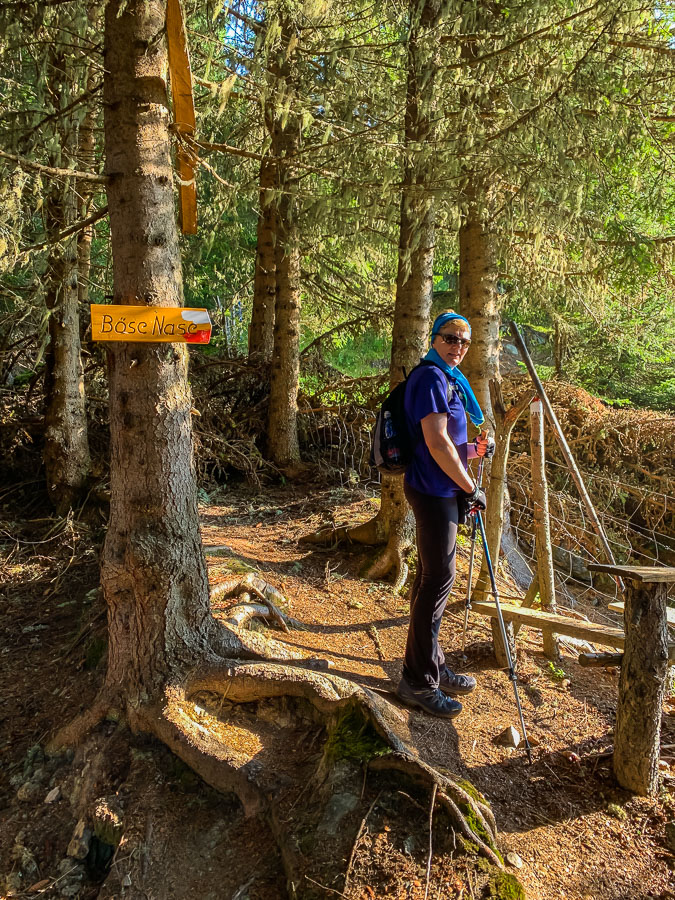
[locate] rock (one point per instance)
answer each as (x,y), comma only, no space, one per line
(510,737)
(337,808)
(514,860)
(28,791)
(532,741)
(72,876)
(126,881)
(53,795)
(670,836)
(79,842)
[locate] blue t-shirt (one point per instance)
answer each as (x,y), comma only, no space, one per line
(429,391)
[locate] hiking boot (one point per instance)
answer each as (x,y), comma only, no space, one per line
(431,700)
(456,685)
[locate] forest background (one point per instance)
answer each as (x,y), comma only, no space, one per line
(358,168)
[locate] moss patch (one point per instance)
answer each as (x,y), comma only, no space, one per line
(354,737)
(472,791)
(504,886)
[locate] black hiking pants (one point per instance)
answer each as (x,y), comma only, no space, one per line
(436,520)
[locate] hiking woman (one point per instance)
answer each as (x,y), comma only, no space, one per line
(437,398)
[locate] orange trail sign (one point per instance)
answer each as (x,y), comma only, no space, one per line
(169,324)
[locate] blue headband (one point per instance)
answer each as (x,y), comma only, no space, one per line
(443,319)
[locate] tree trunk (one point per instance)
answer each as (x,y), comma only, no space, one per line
(282,423)
(261,330)
(283,446)
(641,688)
(153,570)
(66,453)
(414,278)
(478,296)
(494,515)
(542,531)
(86,158)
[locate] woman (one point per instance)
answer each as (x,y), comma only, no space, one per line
(437,399)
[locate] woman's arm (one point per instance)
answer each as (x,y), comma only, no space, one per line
(443,451)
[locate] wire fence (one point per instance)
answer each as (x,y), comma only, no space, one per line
(636,519)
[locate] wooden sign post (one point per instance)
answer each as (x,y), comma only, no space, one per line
(183,113)
(155,324)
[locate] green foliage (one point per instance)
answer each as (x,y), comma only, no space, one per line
(555,672)
(353,737)
(357,356)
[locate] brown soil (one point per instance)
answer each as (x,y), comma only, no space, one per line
(578,835)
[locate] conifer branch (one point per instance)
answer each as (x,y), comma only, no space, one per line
(61,112)
(51,170)
(521,40)
(72,229)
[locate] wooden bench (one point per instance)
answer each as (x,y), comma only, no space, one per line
(606,635)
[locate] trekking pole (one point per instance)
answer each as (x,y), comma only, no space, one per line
(502,628)
(472,555)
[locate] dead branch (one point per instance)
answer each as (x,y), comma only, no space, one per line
(56,173)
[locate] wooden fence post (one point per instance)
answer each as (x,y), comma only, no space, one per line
(542,531)
(505,420)
(644,668)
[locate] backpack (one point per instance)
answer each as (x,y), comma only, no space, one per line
(392,445)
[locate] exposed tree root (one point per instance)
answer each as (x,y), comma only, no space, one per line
(370,533)
(230,636)
(257,729)
(396,534)
(73,733)
(241,587)
(335,698)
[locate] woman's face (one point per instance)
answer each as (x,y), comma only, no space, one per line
(454,352)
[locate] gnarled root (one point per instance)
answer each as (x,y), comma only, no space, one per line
(340,701)
(242,587)
(230,636)
(369,533)
(72,734)
(395,533)
(391,558)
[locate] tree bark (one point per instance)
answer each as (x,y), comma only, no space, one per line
(542,531)
(261,330)
(153,569)
(479,301)
(494,515)
(66,453)
(282,423)
(641,688)
(283,446)
(414,278)
(86,157)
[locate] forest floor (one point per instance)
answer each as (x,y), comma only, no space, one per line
(577,834)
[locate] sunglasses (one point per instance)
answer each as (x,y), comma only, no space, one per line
(455,339)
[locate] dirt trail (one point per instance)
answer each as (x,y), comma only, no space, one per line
(577,835)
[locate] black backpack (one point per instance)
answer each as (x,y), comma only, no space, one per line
(392,445)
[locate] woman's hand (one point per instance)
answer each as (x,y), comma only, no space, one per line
(485,446)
